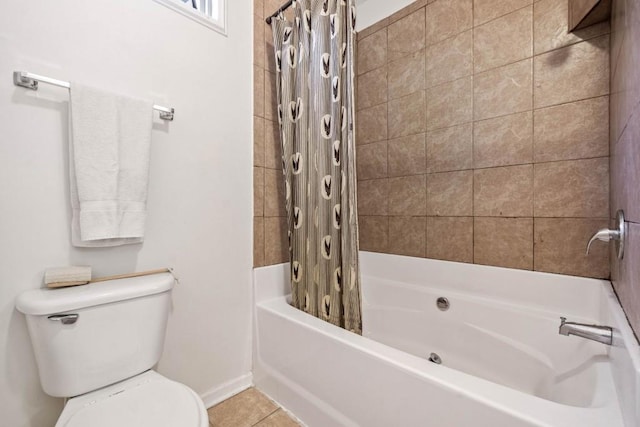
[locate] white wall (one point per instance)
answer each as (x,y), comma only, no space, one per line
(200,181)
(371,11)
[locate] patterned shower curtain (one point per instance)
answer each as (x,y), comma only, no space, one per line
(315,75)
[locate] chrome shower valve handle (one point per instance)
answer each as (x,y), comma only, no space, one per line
(616,235)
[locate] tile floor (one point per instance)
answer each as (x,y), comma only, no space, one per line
(247,409)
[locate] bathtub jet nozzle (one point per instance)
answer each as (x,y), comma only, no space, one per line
(433,357)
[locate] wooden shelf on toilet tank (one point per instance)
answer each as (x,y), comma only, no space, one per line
(583,13)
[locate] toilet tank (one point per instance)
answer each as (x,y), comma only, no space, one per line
(87,337)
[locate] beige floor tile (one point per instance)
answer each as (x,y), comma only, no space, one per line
(242,410)
(278,419)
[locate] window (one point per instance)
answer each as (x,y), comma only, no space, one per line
(210,13)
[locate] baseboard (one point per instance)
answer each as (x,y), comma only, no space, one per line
(226,390)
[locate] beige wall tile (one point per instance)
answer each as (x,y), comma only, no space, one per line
(366,32)
(407,235)
(269,50)
(625,87)
(447,18)
(258,141)
(504,191)
(258,91)
(372,88)
(550,27)
(408,195)
(276,242)
(450,194)
(407,155)
(618,28)
(577,130)
(272,146)
(486,10)
(258,8)
(450,103)
(503,242)
(503,141)
(258,41)
(450,149)
(503,90)
(449,59)
(258,191)
(407,115)
(271,6)
(406,75)
(374,233)
(258,242)
(274,202)
(372,160)
(408,10)
(406,36)
(574,188)
(504,40)
(270,97)
(628,276)
(373,197)
(560,247)
(625,172)
(372,51)
(450,238)
(371,124)
(572,73)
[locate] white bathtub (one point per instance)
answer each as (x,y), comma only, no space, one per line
(503,361)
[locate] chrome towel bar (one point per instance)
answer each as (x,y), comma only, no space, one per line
(30,81)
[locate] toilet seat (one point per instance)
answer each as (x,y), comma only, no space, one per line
(146,400)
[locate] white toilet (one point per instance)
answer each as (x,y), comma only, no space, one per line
(96,345)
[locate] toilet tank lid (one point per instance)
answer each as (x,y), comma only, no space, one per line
(39,302)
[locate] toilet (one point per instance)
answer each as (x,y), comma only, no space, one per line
(96,345)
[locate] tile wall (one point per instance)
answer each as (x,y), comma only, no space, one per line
(483,135)
(625,149)
(269,222)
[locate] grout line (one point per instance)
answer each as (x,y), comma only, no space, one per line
(533,138)
(535,55)
(594,218)
(473,133)
(502,16)
(267,416)
(484,168)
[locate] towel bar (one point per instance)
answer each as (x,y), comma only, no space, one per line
(30,81)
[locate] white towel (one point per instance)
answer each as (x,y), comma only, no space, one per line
(109,140)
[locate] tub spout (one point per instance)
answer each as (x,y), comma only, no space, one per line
(603,334)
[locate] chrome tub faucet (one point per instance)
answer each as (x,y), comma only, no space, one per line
(617,235)
(603,334)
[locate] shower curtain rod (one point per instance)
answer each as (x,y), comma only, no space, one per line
(282,9)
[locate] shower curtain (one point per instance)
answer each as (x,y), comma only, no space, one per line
(315,75)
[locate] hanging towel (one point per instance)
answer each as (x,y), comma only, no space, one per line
(109,140)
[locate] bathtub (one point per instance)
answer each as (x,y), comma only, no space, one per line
(493,357)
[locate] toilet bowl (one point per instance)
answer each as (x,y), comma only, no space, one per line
(97,344)
(146,400)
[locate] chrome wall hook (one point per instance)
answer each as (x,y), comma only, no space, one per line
(617,235)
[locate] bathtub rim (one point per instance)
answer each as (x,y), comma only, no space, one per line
(271,282)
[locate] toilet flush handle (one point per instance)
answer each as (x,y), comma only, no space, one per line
(65,319)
